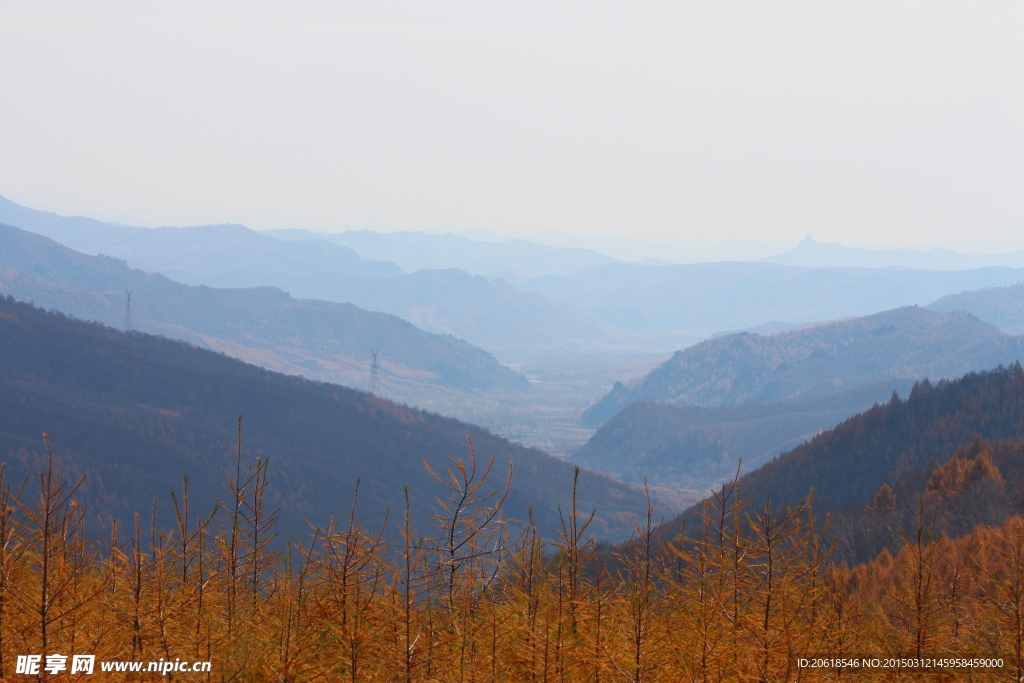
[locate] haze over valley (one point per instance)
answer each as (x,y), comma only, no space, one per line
(545,344)
(512,342)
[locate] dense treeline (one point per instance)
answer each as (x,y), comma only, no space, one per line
(475,598)
(983,484)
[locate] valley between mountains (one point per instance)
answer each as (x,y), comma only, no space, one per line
(670,374)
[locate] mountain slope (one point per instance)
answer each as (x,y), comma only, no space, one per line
(323,340)
(905,343)
(846,465)
(694,448)
(491,314)
(136,412)
(514,259)
(999,306)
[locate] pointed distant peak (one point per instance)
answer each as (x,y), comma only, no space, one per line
(808,240)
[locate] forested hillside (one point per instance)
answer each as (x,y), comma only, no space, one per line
(135,413)
(905,343)
(742,598)
(847,465)
(318,339)
(979,487)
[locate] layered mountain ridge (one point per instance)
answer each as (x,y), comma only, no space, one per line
(690,449)
(495,315)
(1001,306)
(264,325)
(684,304)
(905,343)
(512,259)
(135,413)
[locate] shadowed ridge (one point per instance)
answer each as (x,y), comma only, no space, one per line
(136,412)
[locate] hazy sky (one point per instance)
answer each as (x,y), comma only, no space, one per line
(879,122)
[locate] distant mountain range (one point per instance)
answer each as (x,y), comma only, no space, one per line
(319,339)
(492,314)
(495,315)
(694,448)
(811,254)
(606,306)
(513,260)
(187,253)
(1001,306)
(135,413)
(905,343)
(696,301)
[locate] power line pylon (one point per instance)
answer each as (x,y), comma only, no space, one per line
(374,373)
(128,310)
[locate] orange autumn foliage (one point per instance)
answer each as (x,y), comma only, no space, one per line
(956,475)
(479,598)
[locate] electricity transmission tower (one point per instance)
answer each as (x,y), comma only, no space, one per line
(128,310)
(374,373)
